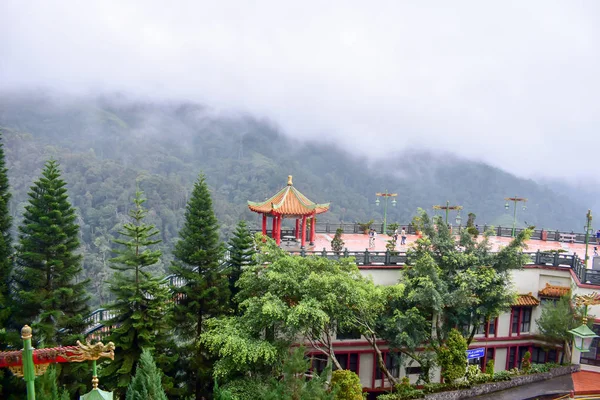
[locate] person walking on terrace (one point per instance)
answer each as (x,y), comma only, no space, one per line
(372,238)
(598,236)
(403,236)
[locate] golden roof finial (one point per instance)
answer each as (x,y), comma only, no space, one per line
(289,180)
(26,332)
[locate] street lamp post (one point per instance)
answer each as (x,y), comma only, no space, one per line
(583,336)
(515,200)
(448,207)
(588,216)
(385,195)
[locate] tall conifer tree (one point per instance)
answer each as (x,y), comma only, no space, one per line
(241,250)
(146,385)
(142,301)
(205,294)
(6,263)
(49,295)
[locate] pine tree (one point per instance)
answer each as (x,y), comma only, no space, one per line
(146,385)
(6,262)
(205,294)
(49,295)
(241,251)
(141,303)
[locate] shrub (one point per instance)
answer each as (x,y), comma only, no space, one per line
(502,376)
(243,389)
(539,368)
(337,244)
(453,357)
(472,372)
(514,372)
(482,378)
(489,367)
(347,385)
(526,362)
(473,231)
(365,226)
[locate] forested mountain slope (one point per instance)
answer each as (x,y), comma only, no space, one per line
(106,145)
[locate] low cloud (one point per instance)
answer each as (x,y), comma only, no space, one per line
(511,83)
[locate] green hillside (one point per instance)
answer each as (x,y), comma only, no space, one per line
(107,144)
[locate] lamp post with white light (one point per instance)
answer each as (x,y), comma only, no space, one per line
(515,200)
(385,195)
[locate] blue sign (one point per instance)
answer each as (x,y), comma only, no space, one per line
(475,353)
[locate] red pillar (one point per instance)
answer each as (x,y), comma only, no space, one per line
(312,229)
(279,229)
(274,228)
(264,225)
(303,240)
(297,228)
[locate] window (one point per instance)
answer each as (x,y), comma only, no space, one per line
(481,328)
(489,354)
(520,320)
(392,363)
(515,320)
(319,362)
(492,327)
(522,351)
(348,334)
(525,319)
(511,357)
(552,356)
(538,355)
(348,361)
(413,370)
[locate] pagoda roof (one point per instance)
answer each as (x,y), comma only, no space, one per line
(526,300)
(554,290)
(288,202)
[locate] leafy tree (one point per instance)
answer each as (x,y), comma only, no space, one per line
(452,357)
(241,251)
(446,287)
(557,318)
(141,303)
(146,384)
(337,243)
(526,362)
(205,293)
(346,385)
(48,292)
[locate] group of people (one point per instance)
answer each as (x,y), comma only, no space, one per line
(373,236)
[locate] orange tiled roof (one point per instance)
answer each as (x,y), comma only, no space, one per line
(526,300)
(554,290)
(288,201)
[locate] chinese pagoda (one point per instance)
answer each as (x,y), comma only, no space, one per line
(289,203)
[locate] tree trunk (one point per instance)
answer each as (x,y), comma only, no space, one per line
(372,339)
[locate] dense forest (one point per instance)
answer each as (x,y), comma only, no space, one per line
(109,145)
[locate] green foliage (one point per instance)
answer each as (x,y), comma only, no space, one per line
(473,231)
(146,384)
(46,386)
(502,376)
(241,389)
(391,228)
(472,372)
(346,385)
(526,362)
(205,293)
(48,292)
(558,318)
(391,245)
(241,252)
(295,385)
(403,391)
(337,243)
(453,357)
(309,297)
(489,367)
(365,226)
(142,303)
(6,259)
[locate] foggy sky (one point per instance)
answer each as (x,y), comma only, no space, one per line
(512,83)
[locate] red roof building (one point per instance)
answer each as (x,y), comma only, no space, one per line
(289,203)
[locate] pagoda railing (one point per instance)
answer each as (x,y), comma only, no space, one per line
(538,234)
(97,327)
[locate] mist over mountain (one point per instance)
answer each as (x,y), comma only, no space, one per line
(108,144)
